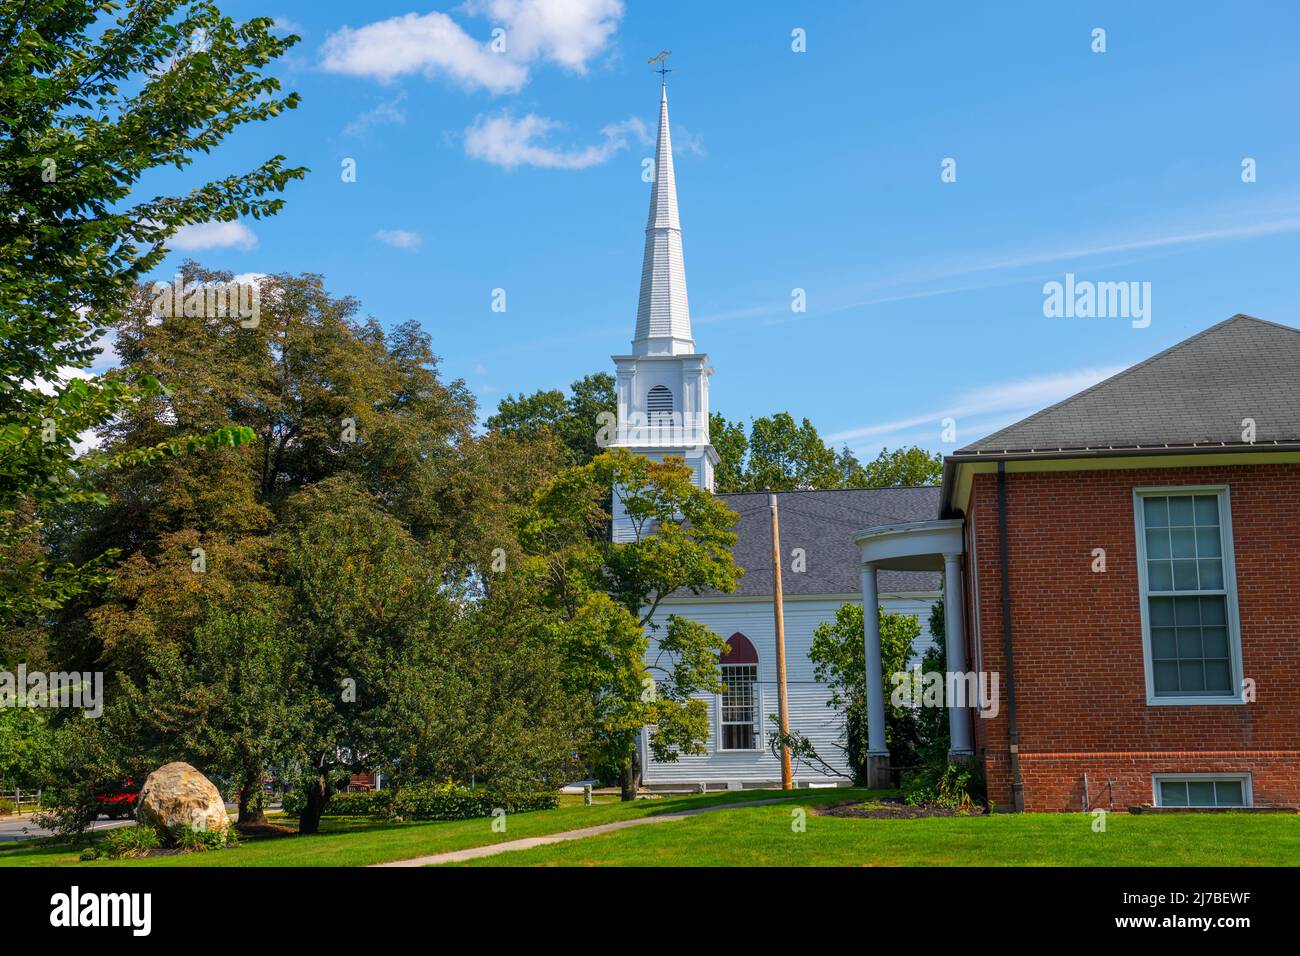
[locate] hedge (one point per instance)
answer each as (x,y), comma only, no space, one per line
(441,802)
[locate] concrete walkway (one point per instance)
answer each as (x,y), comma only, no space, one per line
(510,846)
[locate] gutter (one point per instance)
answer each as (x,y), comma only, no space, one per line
(1013,727)
(951,463)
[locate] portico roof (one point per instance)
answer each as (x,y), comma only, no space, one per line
(910,546)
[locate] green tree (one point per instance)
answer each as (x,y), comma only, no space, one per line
(93,97)
(633,669)
(784,456)
(364,612)
(575,419)
(900,468)
(224,700)
(732,446)
(839,661)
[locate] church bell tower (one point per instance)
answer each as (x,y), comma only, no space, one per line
(663,385)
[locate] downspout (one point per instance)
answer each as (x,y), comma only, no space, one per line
(1013,730)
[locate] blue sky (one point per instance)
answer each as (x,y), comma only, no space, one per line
(817,170)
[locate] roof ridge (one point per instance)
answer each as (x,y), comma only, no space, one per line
(1239,316)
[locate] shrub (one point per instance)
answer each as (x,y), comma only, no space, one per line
(194,838)
(123,843)
(427,802)
(953,785)
(453,802)
(7,807)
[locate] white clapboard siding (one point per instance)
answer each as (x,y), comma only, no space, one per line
(809,713)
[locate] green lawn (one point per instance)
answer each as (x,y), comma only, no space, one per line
(762,836)
(357,842)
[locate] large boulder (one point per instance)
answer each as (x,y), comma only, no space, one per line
(177,797)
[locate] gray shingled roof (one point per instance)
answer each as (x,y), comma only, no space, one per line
(1195,393)
(823,523)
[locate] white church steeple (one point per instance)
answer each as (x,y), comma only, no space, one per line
(663,314)
(663,386)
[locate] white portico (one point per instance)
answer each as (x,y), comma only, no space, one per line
(915,546)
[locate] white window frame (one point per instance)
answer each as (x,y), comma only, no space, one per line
(1229,586)
(1247,786)
(758,724)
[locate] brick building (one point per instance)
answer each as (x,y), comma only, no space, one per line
(1125,564)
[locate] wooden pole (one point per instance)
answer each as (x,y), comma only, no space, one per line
(787,781)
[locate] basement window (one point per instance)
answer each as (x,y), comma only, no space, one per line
(1191,636)
(1203,790)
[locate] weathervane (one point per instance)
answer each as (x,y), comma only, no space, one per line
(662,60)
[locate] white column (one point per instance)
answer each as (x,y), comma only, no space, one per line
(876,746)
(954,626)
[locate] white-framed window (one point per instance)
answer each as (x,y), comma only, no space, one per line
(1202,790)
(738,708)
(1191,636)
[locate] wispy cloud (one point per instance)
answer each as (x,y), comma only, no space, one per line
(569,33)
(400,238)
(387,113)
(999,271)
(212,235)
(509,142)
(1003,402)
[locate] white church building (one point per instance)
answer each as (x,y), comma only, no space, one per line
(663,410)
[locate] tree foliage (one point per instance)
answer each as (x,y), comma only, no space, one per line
(632,669)
(93,97)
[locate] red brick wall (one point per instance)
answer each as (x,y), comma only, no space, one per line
(1080,684)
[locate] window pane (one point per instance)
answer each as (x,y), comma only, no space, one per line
(1181,511)
(1182,542)
(1211,574)
(1218,677)
(1229,793)
(1214,642)
(1207,543)
(1155,512)
(1166,677)
(1173,793)
(1191,676)
(1185,576)
(1213,612)
(1160,576)
(1162,612)
(1189,642)
(1187,612)
(1200,793)
(1162,643)
(1207,510)
(1157,542)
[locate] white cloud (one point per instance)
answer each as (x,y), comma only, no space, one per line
(213,235)
(399,238)
(1022,396)
(388,113)
(684,141)
(508,142)
(569,33)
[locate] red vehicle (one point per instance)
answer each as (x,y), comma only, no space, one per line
(119,800)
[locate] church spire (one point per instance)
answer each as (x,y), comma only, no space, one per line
(663,317)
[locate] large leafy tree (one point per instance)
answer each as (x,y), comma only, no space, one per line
(364,611)
(633,668)
(93,97)
(575,419)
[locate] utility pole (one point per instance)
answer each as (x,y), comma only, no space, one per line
(787,782)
